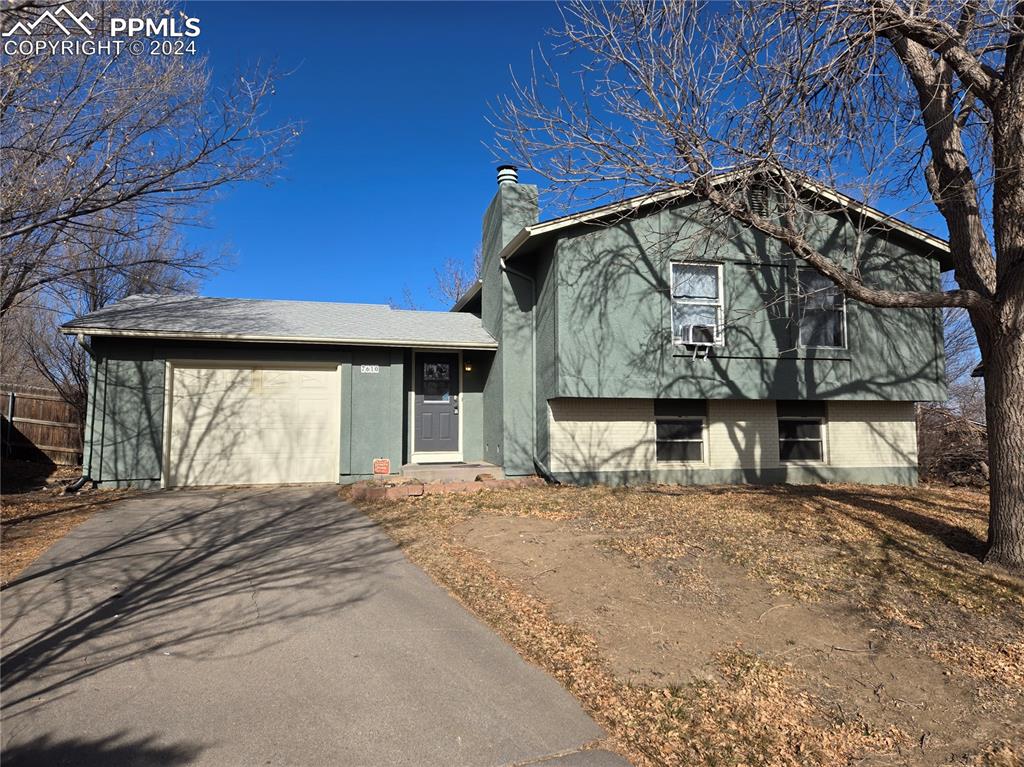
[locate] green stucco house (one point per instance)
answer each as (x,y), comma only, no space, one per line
(627,343)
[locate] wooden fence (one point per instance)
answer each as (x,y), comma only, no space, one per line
(39,426)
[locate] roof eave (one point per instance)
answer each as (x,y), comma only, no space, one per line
(468,296)
(243,338)
(634,204)
(512,246)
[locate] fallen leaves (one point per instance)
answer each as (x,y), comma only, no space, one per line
(903,557)
(33,521)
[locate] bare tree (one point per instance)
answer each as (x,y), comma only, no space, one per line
(455,277)
(451,282)
(883,99)
(951,434)
(103,269)
(966,390)
(117,144)
(408,301)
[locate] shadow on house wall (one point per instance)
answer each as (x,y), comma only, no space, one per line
(610,324)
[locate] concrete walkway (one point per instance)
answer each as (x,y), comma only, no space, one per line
(272,626)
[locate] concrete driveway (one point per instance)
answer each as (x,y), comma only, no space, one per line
(272,626)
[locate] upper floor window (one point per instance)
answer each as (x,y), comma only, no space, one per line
(820,310)
(696,303)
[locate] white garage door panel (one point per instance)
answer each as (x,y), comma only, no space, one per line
(253,426)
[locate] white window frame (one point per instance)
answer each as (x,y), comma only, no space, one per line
(822,437)
(799,315)
(719,304)
(703,439)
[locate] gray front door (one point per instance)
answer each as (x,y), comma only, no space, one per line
(437,403)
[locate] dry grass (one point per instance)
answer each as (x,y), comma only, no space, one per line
(751,712)
(34,513)
(902,560)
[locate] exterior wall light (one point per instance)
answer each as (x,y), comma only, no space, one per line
(467,366)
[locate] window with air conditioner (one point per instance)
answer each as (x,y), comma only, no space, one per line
(821,311)
(696,304)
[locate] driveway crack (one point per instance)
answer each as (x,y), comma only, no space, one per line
(252,596)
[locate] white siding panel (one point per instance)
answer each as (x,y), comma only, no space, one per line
(872,433)
(601,434)
(590,435)
(742,434)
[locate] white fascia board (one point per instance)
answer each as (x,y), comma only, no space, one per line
(189,336)
(468,296)
(878,216)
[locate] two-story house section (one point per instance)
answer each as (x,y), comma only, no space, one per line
(628,343)
(640,343)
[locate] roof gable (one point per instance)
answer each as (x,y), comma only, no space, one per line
(635,206)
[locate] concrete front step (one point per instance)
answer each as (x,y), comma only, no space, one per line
(450,472)
(371,490)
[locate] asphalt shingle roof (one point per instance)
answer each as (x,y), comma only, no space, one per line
(313,321)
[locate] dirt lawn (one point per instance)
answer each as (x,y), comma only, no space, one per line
(742,626)
(34,512)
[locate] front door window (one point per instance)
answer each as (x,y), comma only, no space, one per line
(436,381)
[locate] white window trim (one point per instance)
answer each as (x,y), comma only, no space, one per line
(703,441)
(842,296)
(823,424)
(719,304)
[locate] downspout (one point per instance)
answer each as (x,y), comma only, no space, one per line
(79,483)
(540,468)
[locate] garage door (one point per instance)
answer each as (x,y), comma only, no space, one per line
(253,425)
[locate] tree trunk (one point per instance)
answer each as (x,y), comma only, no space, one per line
(1004,406)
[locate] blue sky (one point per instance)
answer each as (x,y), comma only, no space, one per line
(391,175)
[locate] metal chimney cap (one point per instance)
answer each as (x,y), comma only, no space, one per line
(508,174)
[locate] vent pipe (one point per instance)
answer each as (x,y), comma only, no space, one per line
(508,174)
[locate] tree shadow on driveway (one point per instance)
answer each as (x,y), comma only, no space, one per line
(108,751)
(194,574)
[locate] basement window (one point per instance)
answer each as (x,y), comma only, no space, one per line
(801,431)
(679,430)
(696,304)
(821,311)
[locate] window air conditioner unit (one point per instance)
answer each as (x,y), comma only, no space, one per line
(699,335)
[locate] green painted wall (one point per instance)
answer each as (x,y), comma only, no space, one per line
(547,346)
(507,313)
(613,330)
(472,403)
(125,429)
(596,320)
(372,410)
